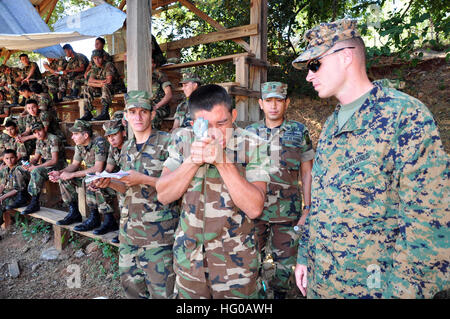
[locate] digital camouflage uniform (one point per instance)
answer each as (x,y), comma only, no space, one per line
(75,80)
(14,179)
(159,82)
(147,227)
(55,82)
(45,148)
(290,145)
(107,90)
(215,255)
(378,226)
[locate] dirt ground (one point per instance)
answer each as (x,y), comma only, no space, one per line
(428,82)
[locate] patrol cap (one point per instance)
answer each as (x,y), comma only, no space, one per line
(97,53)
(112,127)
(190,77)
(138,99)
(36,126)
(324,36)
(274,89)
(81,126)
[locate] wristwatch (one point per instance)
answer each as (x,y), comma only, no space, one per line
(306,207)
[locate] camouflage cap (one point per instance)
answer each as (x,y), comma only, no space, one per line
(324,36)
(274,89)
(112,127)
(190,77)
(97,53)
(138,99)
(81,126)
(37,126)
(118,115)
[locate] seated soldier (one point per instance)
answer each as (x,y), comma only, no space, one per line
(48,156)
(8,140)
(55,81)
(13,183)
(30,71)
(74,72)
(190,82)
(49,122)
(99,45)
(4,106)
(44,99)
(9,80)
(93,151)
(161,95)
(103,78)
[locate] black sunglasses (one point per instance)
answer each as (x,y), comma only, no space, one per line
(315,64)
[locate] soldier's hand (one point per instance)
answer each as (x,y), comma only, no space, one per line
(134,178)
(301,272)
(205,150)
(66,176)
(102,182)
(302,220)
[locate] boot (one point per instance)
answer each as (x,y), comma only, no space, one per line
(115,240)
(109,224)
(92,222)
(20,201)
(279,295)
(33,206)
(104,116)
(74,215)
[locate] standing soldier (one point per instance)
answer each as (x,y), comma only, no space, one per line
(103,79)
(161,95)
(378,226)
(9,80)
(182,117)
(13,183)
(48,156)
(30,71)
(291,154)
(74,72)
(222,180)
(55,81)
(146,226)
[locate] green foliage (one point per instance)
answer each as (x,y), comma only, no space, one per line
(37,226)
(110,252)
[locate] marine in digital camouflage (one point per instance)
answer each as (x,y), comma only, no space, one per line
(159,82)
(380,208)
(215,254)
(147,227)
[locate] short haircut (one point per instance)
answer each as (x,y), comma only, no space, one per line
(10,123)
(359,45)
(101,40)
(207,96)
(36,88)
(31,101)
(24,87)
(23,55)
(10,151)
(67,47)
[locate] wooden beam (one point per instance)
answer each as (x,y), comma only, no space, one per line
(211,21)
(222,59)
(257,62)
(52,8)
(227,34)
(122,4)
(161,3)
(139,40)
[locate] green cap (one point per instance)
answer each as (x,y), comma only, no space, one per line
(118,115)
(97,53)
(190,77)
(81,126)
(36,126)
(112,127)
(274,89)
(324,36)
(138,99)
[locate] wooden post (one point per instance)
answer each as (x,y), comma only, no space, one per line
(61,237)
(242,77)
(139,69)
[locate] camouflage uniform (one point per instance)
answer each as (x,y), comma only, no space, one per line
(107,90)
(14,179)
(215,255)
(45,148)
(378,226)
(12,85)
(147,227)
(76,79)
(3,108)
(182,113)
(8,142)
(106,58)
(55,82)
(47,119)
(45,101)
(292,146)
(36,74)
(159,82)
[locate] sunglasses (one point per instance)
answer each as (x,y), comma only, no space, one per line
(315,64)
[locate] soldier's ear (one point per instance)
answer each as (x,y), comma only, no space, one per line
(153,114)
(288,101)
(260,102)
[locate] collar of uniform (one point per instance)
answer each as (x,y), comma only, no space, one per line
(133,141)
(362,117)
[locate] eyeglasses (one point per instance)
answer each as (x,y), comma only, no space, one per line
(315,64)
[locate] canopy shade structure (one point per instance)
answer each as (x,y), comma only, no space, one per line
(94,22)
